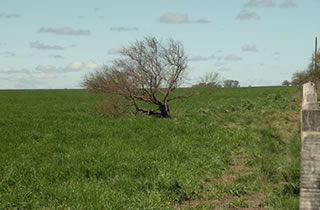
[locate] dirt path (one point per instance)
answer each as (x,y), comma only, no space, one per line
(237,167)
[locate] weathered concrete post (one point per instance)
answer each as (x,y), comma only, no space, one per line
(310,149)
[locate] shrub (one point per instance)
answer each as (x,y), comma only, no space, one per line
(285,83)
(113,106)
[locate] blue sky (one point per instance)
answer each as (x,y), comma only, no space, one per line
(54,43)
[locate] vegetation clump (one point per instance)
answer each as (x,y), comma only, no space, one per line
(285,83)
(209,80)
(311,74)
(231,83)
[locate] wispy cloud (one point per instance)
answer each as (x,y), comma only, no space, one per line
(96,10)
(201,58)
(65,31)
(247,15)
(7,54)
(288,4)
(8,70)
(249,48)
(218,64)
(260,3)
(174,18)
(75,66)
(224,69)
(232,58)
(57,56)
(44,76)
(9,16)
(202,21)
(26,81)
(44,71)
(40,46)
(171,18)
(114,51)
(97,13)
(121,28)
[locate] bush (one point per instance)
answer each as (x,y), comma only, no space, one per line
(231,83)
(206,85)
(285,83)
(312,74)
(113,106)
(299,78)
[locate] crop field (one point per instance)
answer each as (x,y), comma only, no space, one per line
(224,148)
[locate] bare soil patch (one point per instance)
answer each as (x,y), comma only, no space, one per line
(237,167)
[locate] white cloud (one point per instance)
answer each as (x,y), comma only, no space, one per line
(260,3)
(288,4)
(75,66)
(174,18)
(249,48)
(120,28)
(232,58)
(8,70)
(200,58)
(48,69)
(91,66)
(247,15)
(24,81)
(40,46)
(65,31)
(45,76)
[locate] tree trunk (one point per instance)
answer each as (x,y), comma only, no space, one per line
(164,109)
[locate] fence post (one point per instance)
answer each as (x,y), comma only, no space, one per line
(310,149)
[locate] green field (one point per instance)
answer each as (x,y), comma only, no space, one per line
(225,148)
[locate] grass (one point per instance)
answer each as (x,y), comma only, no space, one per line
(57,151)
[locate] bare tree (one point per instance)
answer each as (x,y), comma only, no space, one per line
(148,71)
(209,80)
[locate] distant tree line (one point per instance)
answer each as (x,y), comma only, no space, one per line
(212,80)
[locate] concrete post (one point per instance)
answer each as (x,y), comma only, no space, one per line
(310,149)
